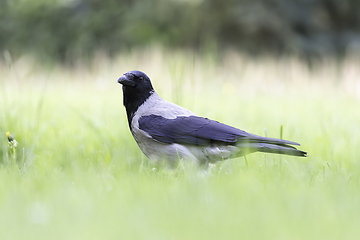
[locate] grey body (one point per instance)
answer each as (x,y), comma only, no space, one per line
(158,151)
(167,132)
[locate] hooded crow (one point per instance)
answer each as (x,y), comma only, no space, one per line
(167,132)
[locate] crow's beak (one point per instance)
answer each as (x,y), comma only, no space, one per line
(124,80)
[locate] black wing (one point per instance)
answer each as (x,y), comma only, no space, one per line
(199,131)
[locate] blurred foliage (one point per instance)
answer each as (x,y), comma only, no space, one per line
(64,29)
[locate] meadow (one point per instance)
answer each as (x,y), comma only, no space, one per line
(78,173)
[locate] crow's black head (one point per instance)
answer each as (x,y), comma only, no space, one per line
(137,80)
(137,89)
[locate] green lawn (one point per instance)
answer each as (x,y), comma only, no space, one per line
(80,175)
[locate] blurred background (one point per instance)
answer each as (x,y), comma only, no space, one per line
(278,68)
(65,30)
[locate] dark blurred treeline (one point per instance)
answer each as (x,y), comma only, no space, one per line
(65,29)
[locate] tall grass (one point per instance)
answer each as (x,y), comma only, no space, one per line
(80,175)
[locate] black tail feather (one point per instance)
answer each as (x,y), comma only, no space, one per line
(273,148)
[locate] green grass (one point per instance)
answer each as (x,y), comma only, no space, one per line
(80,175)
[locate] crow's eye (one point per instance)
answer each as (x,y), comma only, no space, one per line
(141,78)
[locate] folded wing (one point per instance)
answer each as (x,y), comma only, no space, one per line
(202,131)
